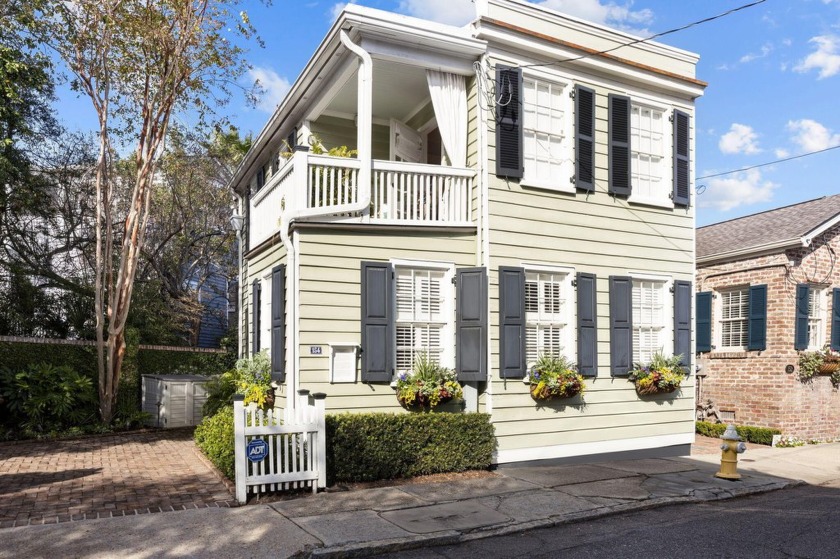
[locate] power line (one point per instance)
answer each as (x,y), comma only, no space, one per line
(800,156)
(644,40)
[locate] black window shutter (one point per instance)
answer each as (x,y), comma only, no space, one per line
(682,320)
(757,316)
(278,323)
(584,138)
(377,289)
(681,193)
(511,322)
(835,319)
(509,122)
(471,324)
(255,316)
(587,315)
(619,138)
(800,336)
(704,321)
(260,178)
(291,140)
(621,325)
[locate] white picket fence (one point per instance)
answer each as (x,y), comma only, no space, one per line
(294,447)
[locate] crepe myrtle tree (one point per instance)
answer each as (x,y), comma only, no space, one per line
(139,62)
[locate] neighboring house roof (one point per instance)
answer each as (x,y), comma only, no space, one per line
(770,231)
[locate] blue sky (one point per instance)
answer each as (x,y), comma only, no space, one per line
(773,72)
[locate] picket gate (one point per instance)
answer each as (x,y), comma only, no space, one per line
(296,456)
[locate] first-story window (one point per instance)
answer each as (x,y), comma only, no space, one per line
(651,332)
(265,312)
(734,308)
(547,314)
(816,318)
(423,315)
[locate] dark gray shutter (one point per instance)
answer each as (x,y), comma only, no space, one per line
(800,336)
(278,323)
(377,286)
(621,325)
(757,316)
(255,316)
(587,316)
(584,138)
(835,319)
(471,324)
(682,320)
(704,321)
(619,138)
(291,140)
(682,145)
(260,178)
(509,122)
(511,322)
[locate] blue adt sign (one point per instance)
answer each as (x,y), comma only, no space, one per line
(257,450)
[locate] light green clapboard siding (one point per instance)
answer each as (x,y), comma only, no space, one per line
(594,233)
(336,132)
(330,270)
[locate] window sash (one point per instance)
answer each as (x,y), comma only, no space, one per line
(733,320)
(649,325)
(647,152)
(816,318)
(420,315)
(545,144)
(546,314)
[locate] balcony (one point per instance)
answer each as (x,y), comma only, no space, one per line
(401,194)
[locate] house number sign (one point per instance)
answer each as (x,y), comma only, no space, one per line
(315,350)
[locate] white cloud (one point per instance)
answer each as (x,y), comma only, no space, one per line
(749,57)
(724,194)
(274,87)
(453,12)
(782,153)
(826,59)
(740,139)
(810,135)
(336,9)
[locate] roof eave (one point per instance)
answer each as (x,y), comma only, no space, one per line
(750,252)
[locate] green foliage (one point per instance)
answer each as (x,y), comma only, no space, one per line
(757,435)
(214,436)
(44,398)
(554,376)
(428,385)
(663,374)
(810,363)
(168,362)
(220,391)
(254,380)
(374,446)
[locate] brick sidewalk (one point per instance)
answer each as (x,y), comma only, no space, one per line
(115,475)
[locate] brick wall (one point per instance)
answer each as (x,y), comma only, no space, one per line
(754,384)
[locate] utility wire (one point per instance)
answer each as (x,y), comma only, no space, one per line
(791,158)
(646,39)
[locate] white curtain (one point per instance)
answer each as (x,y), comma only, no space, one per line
(449,99)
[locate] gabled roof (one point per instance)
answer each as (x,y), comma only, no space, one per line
(766,232)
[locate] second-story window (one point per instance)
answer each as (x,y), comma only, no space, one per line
(648,154)
(546,149)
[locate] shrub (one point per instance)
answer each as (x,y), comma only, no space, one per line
(374,446)
(757,435)
(214,436)
(220,391)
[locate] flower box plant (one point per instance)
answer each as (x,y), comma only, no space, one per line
(824,362)
(554,377)
(428,385)
(662,375)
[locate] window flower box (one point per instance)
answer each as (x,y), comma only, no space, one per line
(427,386)
(662,375)
(823,362)
(554,377)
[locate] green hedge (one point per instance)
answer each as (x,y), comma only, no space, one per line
(376,446)
(757,435)
(17,356)
(162,362)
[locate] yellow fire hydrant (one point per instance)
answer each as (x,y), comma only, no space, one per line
(730,449)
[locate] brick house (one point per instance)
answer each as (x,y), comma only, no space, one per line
(768,287)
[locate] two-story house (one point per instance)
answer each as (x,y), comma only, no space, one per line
(769,289)
(518,186)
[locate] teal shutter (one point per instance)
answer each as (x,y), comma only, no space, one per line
(681,194)
(377,287)
(471,324)
(619,145)
(621,325)
(255,316)
(584,138)
(835,319)
(511,322)
(682,320)
(800,336)
(704,321)
(587,327)
(278,323)
(757,316)
(509,122)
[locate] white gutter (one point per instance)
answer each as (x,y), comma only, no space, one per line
(754,250)
(287,218)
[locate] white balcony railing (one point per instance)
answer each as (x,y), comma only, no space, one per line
(401,193)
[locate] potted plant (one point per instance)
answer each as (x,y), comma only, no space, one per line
(824,362)
(662,375)
(254,380)
(428,385)
(554,377)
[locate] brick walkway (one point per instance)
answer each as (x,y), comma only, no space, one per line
(114,475)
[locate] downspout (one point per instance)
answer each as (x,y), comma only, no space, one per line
(362,204)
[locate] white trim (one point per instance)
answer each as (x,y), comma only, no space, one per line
(410,263)
(650,277)
(592,448)
(810,235)
(717,318)
(539,267)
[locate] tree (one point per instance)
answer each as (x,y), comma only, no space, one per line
(138,62)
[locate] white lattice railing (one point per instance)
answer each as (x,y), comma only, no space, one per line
(400,192)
